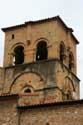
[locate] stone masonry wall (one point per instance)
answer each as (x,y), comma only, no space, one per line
(44,74)
(52,32)
(1,79)
(8,111)
(53,115)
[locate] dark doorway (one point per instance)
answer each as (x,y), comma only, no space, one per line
(19,55)
(42,52)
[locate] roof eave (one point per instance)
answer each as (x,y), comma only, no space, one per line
(40,21)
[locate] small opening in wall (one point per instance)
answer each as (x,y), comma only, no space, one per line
(71,61)
(47,123)
(13,36)
(42,52)
(69,97)
(62,51)
(27,90)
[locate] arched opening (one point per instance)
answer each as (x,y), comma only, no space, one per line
(68,95)
(42,52)
(62,51)
(27,90)
(68,88)
(47,123)
(18,55)
(71,61)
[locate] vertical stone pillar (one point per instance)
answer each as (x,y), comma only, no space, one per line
(28,53)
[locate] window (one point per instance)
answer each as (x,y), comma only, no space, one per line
(12,36)
(68,88)
(27,90)
(62,51)
(69,97)
(18,55)
(47,123)
(42,52)
(71,61)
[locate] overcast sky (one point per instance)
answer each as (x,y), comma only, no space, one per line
(14,12)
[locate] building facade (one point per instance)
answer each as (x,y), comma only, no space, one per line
(40,69)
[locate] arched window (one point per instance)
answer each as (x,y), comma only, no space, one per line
(27,90)
(18,55)
(68,88)
(42,52)
(69,97)
(62,51)
(47,123)
(71,61)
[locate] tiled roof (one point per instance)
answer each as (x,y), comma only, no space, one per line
(63,103)
(8,96)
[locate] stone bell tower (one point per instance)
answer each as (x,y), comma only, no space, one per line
(40,62)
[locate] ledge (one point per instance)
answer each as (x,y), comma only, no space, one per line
(63,103)
(8,97)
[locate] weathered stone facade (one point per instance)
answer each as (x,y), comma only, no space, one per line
(8,111)
(63,113)
(39,67)
(58,113)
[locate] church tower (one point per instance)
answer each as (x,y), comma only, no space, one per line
(40,62)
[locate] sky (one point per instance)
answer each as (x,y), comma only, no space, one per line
(13,12)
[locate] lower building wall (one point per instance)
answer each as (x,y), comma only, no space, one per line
(54,115)
(59,113)
(8,112)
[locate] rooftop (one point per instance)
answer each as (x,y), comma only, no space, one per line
(42,21)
